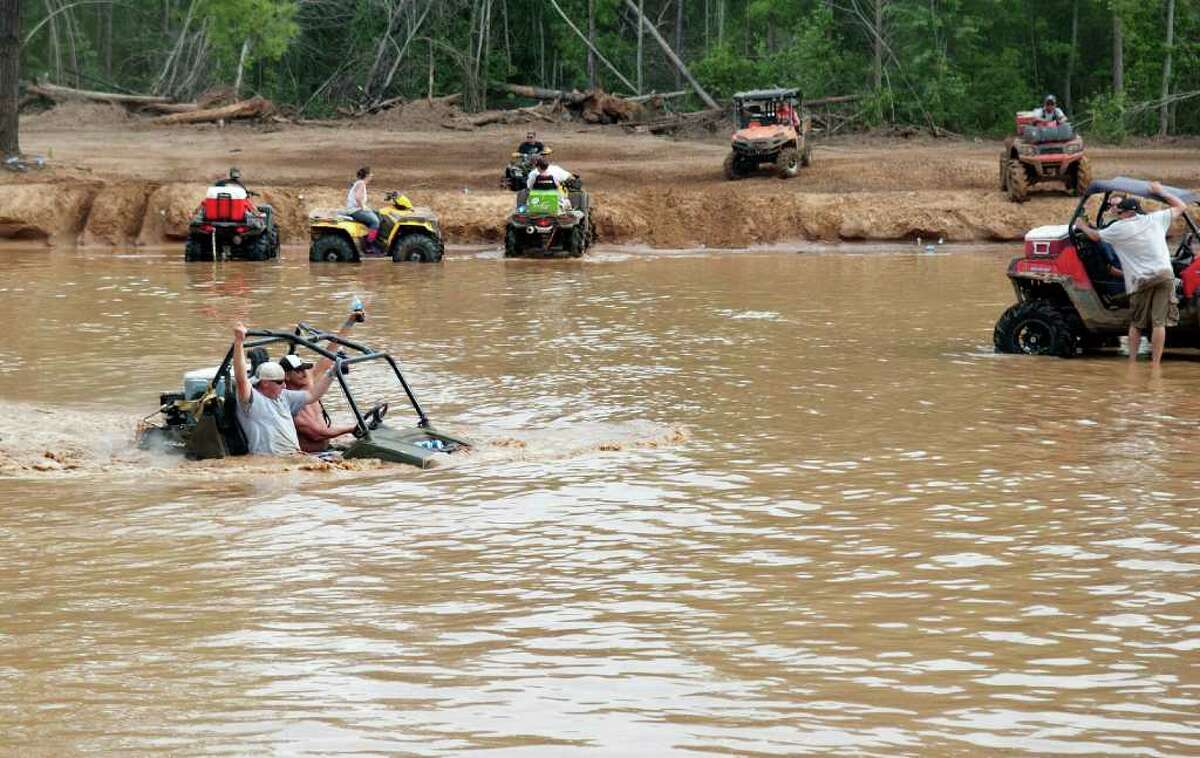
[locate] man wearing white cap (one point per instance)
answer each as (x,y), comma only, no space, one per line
(265,409)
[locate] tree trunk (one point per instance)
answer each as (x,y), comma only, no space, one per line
(237,81)
(1118,56)
(640,60)
(10,76)
(591,38)
(1164,110)
(1071,55)
(679,39)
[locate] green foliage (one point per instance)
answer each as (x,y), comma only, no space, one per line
(965,65)
(1107,111)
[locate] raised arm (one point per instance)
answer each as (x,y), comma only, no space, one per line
(1178,207)
(325,364)
(239,364)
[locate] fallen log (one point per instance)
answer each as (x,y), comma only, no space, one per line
(171,107)
(255,107)
(572,97)
(57,92)
(661,95)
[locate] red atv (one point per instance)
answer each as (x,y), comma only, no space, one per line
(1043,151)
(229,225)
(1069,298)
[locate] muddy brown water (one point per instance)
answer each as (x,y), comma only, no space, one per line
(763,503)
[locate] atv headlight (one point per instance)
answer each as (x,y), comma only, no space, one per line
(1027,150)
(1073,148)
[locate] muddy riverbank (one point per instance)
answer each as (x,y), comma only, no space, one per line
(116,182)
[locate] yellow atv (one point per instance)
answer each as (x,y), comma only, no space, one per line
(405,233)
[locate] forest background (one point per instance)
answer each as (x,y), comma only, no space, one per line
(1120,67)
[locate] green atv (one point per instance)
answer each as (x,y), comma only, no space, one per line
(201,421)
(548,223)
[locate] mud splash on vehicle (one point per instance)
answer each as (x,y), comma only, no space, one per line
(43,442)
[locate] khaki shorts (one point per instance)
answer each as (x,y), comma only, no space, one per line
(1154,305)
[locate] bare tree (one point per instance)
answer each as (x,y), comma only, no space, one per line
(1164,109)
(10,75)
(1118,54)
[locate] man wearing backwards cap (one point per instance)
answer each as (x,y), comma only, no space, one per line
(1141,243)
(265,409)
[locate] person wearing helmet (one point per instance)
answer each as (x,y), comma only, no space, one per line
(1050,111)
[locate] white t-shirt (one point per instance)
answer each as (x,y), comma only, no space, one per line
(1055,114)
(559,173)
(353,203)
(1141,244)
(268,423)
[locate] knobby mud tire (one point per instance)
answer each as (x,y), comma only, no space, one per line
(512,243)
(1036,327)
(733,172)
(1018,182)
(330,249)
(1003,173)
(787,163)
(1081,177)
(194,250)
(415,248)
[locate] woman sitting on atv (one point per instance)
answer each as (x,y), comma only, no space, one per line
(357,208)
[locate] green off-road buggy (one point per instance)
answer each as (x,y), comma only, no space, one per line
(201,421)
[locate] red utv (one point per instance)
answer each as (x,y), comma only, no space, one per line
(1068,297)
(1043,151)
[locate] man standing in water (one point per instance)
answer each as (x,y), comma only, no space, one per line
(265,409)
(1140,241)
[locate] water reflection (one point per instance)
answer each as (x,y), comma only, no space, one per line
(875,537)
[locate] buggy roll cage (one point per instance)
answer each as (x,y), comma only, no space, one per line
(769,99)
(311,338)
(1137,188)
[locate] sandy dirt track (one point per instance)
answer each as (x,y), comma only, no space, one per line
(117,181)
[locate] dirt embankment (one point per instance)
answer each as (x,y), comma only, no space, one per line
(116,181)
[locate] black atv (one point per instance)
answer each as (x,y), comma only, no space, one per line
(541,226)
(228,225)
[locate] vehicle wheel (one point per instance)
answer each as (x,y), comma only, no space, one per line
(806,155)
(732,170)
(193,250)
(1003,174)
(416,248)
(274,247)
(576,242)
(330,249)
(1018,182)
(1082,178)
(1035,327)
(512,244)
(787,163)
(260,248)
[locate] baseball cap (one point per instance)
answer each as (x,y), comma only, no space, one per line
(293,362)
(1129,204)
(269,371)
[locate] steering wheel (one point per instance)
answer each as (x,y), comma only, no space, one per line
(374,417)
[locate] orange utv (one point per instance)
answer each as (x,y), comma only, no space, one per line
(770,130)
